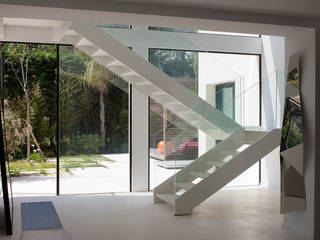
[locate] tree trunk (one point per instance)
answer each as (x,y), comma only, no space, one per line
(28,121)
(28,103)
(102,120)
(29,128)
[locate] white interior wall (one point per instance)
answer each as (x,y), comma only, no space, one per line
(302,42)
(273,82)
(298,39)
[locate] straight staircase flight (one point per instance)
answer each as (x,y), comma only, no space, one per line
(149,79)
(241,146)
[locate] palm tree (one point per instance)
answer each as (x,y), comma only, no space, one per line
(99,77)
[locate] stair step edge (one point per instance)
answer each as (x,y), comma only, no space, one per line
(200,174)
(185,186)
(168,198)
(215,163)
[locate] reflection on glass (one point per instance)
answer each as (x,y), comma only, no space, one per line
(30,117)
(172,138)
(292,125)
(93,126)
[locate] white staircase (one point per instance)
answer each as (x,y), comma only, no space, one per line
(215,169)
(240,149)
(149,79)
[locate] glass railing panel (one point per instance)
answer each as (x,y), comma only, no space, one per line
(173,143)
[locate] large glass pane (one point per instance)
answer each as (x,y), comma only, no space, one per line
(93,126)
(228,82)
(166,29)
(172,138)
(6,198)
(30,117)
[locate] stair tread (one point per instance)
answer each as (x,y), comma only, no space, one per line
(168,198)
(228,152)
(185,186)
(215,163)
(199,174)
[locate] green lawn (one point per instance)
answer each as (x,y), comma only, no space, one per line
(30,167)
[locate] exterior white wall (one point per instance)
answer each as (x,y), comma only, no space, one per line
(243,70)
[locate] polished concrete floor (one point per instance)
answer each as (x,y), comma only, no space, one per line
(250,214)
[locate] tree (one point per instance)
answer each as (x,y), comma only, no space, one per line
(15,134)
(99,78)
(18,58)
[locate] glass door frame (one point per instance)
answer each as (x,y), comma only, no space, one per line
(58,182)
(3,167)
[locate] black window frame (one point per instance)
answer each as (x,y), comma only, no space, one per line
(2,150)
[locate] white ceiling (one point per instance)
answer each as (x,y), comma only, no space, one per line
(305,8)
(31,22)
(282,7)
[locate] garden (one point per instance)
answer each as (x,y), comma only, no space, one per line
(92,115)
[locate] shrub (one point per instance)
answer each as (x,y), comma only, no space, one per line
(43,172)
(37,157)
(84,144)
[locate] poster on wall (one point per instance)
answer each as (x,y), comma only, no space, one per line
(293,196)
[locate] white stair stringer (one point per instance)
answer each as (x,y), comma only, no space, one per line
(149,79)
(265,142)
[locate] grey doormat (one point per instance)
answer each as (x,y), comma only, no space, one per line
(41,222)
(39,216)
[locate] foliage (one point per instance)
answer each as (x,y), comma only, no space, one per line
(98,76)
(79,102)
(14,131)
(86,158)
(292,125)
(83,143)
(37,157)
(20,167)
(179,64)
(28,67)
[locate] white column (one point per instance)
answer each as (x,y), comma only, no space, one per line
(140,133)
(140,142)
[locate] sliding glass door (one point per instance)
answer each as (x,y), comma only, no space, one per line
(63,111)
(30,116)
(6,206)
(94,112)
